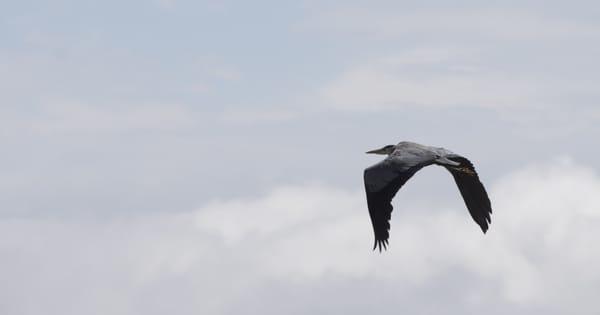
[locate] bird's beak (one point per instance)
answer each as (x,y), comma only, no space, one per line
(376,151)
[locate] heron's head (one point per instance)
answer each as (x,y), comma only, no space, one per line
(387,150)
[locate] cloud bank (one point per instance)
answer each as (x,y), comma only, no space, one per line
(307,249)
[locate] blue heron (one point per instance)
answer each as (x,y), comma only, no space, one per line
(384,179)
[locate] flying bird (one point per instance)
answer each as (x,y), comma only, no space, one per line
(384,179)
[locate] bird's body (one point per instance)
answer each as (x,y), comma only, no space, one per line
(385,178)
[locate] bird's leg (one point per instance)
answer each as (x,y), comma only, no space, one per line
(444,161)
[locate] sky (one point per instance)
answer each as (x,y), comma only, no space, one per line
(206,157)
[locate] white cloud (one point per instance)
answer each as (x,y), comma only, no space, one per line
(396,83)
(398,22)
(540,253)
(441,77)
(256,115)
(508,60)
(77,117)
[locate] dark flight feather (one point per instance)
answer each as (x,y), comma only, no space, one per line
(380,206)
(472,191)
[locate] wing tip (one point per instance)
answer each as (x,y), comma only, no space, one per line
(380,243)
(487,220)
(485,224)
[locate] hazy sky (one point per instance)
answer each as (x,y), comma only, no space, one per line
(206,157)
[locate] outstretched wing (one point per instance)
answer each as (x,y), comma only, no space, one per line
(472,191)
(382,181)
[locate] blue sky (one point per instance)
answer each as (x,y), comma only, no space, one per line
(206,157)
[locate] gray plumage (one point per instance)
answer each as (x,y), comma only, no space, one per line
(385,178)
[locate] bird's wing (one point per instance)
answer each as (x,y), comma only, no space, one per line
(382,181)
(472,190)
